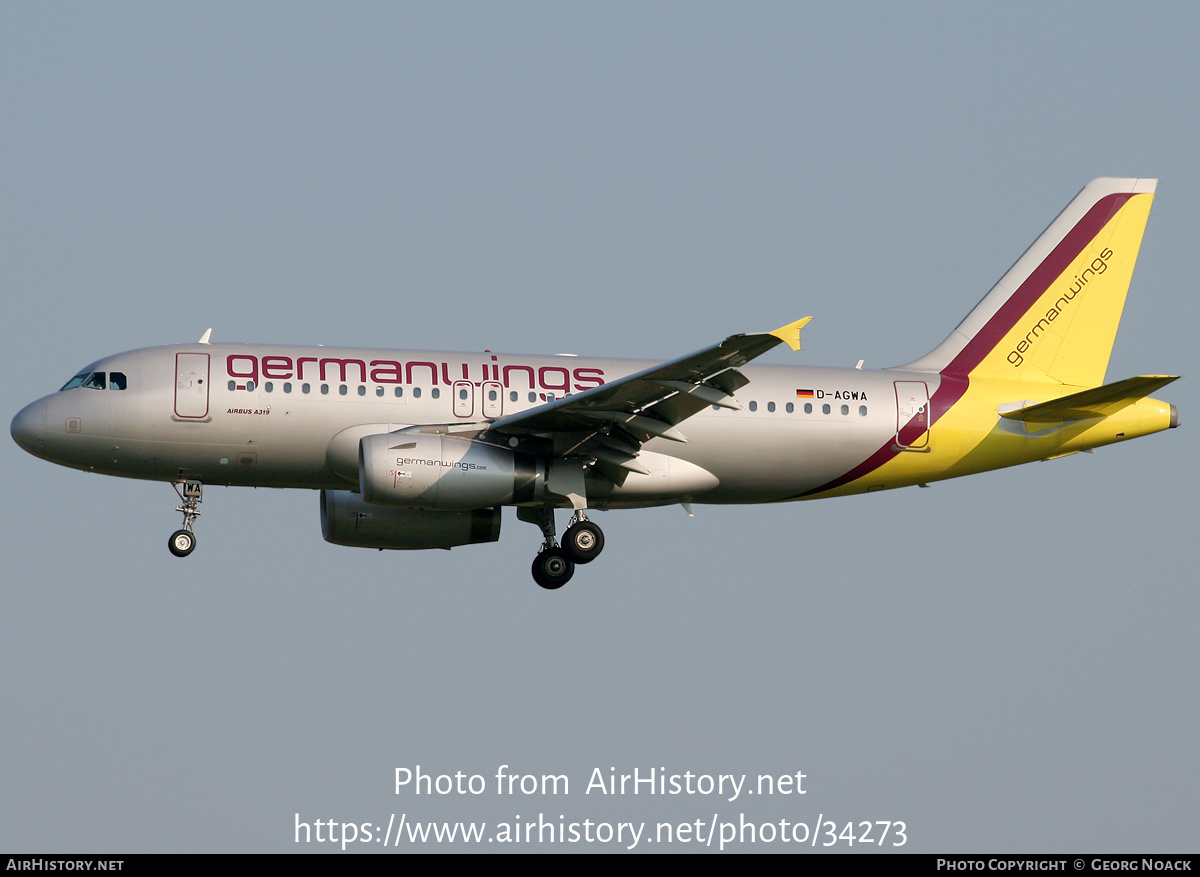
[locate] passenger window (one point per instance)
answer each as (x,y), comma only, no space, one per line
(790,407)
(436,393)
(416,392)
(250,386)
(342,390)
(825,409)
(771,406)
(287,388)
(268,387)
(862,410)
(533,397)
(324,389)
(379,391)
(233,385)
(399,392)
(304,388)
(808,407)
(116,381)
(512,396)
(753,406)
(845,409)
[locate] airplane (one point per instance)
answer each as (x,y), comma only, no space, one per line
(420,449)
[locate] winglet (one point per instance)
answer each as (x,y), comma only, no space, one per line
(204,338)
(790,334)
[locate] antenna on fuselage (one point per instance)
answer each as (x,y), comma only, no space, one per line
(204,338)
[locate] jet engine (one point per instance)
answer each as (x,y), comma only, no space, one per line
(433,471)
(347,520)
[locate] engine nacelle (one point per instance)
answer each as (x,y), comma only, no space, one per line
(347,520)
(433,471)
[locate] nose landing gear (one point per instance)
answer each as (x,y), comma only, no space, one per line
(183,542)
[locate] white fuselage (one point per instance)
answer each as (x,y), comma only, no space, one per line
(283,416)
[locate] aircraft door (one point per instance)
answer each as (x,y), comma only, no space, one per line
(191,385)
(464,398)
(912,415)
(493,399)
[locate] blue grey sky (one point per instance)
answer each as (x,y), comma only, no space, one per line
(1005,663)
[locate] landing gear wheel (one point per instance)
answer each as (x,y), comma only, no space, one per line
(583,541)
(552,568)
(191,492)
(182,543)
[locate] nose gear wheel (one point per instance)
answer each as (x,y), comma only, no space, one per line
(183,541)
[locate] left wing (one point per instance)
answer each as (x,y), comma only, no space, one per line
(610,423)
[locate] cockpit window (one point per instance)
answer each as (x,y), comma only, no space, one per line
(97,381)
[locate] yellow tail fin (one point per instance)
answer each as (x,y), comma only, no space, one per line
(1053,317)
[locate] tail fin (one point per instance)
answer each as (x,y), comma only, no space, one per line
(1053,317)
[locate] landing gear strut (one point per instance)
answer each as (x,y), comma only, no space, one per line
(554,565)
(183,542)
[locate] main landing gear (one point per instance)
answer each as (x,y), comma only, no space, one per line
(583,540)
(582,543)
(183,542)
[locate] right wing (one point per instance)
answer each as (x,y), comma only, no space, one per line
(609,423)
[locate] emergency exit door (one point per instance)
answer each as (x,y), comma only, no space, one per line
(191,385)
(912,415)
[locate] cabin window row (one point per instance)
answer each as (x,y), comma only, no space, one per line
(790,408)
(397,392)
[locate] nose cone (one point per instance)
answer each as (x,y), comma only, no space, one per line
(29,428)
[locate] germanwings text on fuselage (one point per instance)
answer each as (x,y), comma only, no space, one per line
(556,378)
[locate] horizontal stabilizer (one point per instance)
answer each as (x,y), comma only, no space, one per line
(1097,402)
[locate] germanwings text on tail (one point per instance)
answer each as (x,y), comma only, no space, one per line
(416,449)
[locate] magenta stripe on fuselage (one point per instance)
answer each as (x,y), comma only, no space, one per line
(955,375)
